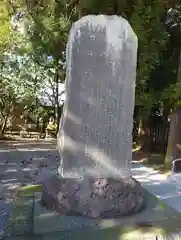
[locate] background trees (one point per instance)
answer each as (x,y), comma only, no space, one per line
(33,37)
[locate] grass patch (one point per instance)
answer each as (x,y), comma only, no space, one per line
(30,190)
(156,161)
(6,138)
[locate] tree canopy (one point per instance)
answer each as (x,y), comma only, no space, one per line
(33,38)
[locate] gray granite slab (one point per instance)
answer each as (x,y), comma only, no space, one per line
(157,219)
(21,220)
(95,136)
(118,233)
(5,213)
(160,230)
(154,212)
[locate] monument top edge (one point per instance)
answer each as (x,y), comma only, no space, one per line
(100,17)
(102,20)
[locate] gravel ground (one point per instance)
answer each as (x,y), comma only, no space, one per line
(22,160)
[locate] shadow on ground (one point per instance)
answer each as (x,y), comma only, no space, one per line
(21,160)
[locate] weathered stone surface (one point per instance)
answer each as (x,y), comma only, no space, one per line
(5,212)
(43,175)
(95,137)
(93,197)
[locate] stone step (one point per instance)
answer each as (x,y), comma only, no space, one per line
(5,213)
(49,221)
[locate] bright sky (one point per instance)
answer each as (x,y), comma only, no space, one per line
(46,95)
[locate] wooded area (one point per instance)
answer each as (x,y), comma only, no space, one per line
(33,38)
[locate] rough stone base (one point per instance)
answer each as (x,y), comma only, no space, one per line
(103,197)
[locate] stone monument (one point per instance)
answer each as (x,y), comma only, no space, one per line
(95,136)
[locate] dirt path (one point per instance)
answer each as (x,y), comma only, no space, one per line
(21,160)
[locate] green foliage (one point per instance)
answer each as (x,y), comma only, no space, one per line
(48,28)
(43,33)
(5,26)
(21,83)
(147,22)
(40,35)
(171,95)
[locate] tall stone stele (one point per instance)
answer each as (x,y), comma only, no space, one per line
(95,136)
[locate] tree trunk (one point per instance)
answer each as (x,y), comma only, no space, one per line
(174,129)
(56,107)
(169,152)
(172,141)
(79,9)
(116,7)
(144,137)
(179,68)
(3,127)
(140,126)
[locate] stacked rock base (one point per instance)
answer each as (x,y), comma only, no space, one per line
(93,197)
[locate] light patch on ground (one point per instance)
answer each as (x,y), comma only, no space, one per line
(21,162)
